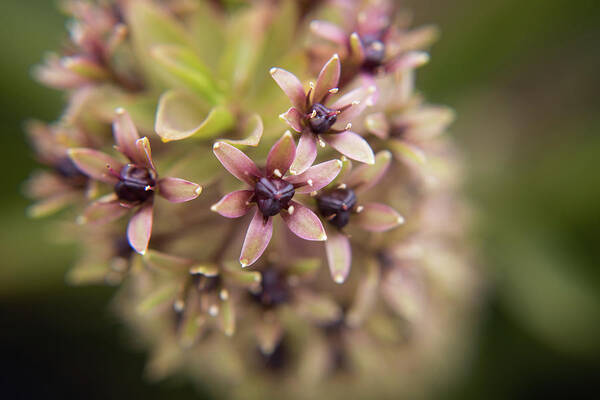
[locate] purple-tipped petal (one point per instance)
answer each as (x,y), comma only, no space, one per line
(96,164)
(145,153)
(293,118)
(236,162)
(281,156)
(329,31)
(257,239)
(178,190)
(306,153)
(358,99)
(291,86)
(234,204)
(316,177)
(103,210)
(303,222)
(352,145)
(328,78)
(378,217)
(139,229)
(367,176)
(378,125)
(339,256)
(126,135)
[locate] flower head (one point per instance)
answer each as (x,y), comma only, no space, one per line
(372,44)
(340,205)
(135,183)
(318,121)
(272,191)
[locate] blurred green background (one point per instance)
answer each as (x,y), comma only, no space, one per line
(524,77)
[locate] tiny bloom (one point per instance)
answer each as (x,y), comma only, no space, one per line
(340,205)
(372,43)
(406,124)
(63,184)
(321,123)
(272,191)
(135,182)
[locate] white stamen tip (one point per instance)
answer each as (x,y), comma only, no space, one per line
(147,188)
(360,209)
(349,125)
(277,173)
(213,310)
(356,102)
(224,294)
(120,110)
(334,90)
(310,182)
(178,305)
(311,84)
(290,210)
(342,186)
(321,143)
(313,114)
(400,220)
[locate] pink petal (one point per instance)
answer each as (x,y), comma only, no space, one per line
(329,31)
(378,217)
(282,155)
(316,177)
(257,239)
(145,153)
(234,204)
(339,256)
(293,118)
(304,223)
(306,152)
(328,78)
(351,145)
(291,86)
(96,164)
(140,228)
(378,125)
(126,135)
(236,162)
(411,60)
(103,210)
(359,99)
(367,176)
(178,190)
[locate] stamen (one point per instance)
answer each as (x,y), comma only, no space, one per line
(224,294)
(359,209)
(290,210)
(310,182)
(348,126)
(213,310)
(342,186)
(334,90)
(277,173)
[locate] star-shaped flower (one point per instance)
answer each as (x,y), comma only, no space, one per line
(319,122)
(272,191)
(135,183)
(339,206)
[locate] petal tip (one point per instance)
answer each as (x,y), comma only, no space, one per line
(273,70)
(198,190)
(339,278)
(244,262)
(119,111)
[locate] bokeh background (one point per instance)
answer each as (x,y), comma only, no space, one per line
(524,77)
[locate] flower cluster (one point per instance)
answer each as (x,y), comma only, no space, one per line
(363,182)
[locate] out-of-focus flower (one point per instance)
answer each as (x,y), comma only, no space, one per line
(135,182)
(64,184)
(340,205)
(272,191)
(371,42)
(315,121)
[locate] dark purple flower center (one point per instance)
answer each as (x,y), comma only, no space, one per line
(273,195)
(274,289)
(68,170)
(136,184)
(321,118)
(374,52)
(337,205)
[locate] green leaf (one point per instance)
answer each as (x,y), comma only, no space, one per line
(184,68)
(181,115)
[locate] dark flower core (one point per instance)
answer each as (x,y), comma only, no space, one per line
(68,170)
(136,184)
(274,289)
(323,118)
(374,53)
(337,205)
(273,195)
